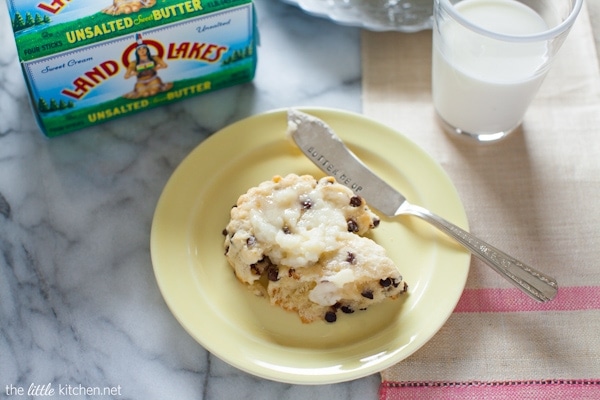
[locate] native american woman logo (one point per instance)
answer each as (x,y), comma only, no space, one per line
(144,67)
(128,6)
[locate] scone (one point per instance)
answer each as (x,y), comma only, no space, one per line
(298,241)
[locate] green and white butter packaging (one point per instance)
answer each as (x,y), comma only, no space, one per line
(87,62)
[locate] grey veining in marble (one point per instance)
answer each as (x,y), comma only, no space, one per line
(79,304)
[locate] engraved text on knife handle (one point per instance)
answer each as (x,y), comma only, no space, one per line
(536,284)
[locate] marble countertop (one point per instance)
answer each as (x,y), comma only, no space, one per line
(79,304)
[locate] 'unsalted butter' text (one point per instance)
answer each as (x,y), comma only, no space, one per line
(177,9)
(118,111)
(90,32)
(105,28)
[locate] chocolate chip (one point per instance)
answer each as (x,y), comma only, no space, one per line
(367,293)
(307,204)
(292,274)
(224,232)
(351,258)
(330,316)
(251,241)
(352,226)
(347,310)
(376,222)
(273,274)
(385,282)
(355,201)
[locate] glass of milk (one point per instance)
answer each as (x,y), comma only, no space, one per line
(489,59)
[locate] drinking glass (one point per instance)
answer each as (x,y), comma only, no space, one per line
(490,58)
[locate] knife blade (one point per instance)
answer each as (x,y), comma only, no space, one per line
(327,151)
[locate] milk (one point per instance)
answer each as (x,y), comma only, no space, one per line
(482,85)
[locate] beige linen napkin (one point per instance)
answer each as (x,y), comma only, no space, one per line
(535,195)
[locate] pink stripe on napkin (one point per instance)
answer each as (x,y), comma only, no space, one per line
(533,390)
(512,300)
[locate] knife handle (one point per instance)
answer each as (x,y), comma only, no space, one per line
(536,284)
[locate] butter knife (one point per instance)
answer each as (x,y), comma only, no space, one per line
(327,151)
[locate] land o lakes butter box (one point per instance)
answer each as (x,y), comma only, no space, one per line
(86,62)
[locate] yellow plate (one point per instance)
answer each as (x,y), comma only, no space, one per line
(246,331)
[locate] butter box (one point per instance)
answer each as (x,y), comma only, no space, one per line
(87,62)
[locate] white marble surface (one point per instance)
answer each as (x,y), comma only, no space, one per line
(79,304)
